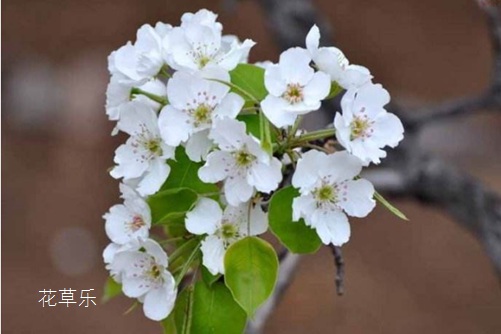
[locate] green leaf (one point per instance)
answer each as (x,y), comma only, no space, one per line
(251,270)
(111,289)
(169,205)
(184,174)
(208,278)
(183,311)
(253,126)
(215,311)
(335,90)
(250,79)
(169,325)
(296,236)
(389,206)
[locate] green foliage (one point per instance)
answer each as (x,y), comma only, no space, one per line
(389,206)
(171,204)
(250,79)
(204,309)
(251,270)
(111,289)
(184,174)
(208,278)
(296,236)
(334,91)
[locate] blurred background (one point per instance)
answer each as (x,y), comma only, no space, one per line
(425,276)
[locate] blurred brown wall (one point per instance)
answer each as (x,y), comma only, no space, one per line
(425,276)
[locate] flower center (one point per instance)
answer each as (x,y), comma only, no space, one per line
(154,271)
(360,128)
(153,145)
(244,158)
(294,93)
(202,114)
(228,231)
(326,193)
(137,223)
(203,60)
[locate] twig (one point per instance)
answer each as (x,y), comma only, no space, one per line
(339,263)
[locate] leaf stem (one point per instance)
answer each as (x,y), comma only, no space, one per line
(188,263)
(138,91)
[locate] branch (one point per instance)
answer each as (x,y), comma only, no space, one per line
(339,263)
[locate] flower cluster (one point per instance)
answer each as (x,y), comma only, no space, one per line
(199,117)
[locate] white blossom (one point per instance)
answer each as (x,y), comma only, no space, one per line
(198,46)
(119,93)
(294,88)
(144,275)
(240,162)
(194,103)
(134,64)
(328,193)
(223,228)
(128,221)
(144,154)
(332,61)
(364,128)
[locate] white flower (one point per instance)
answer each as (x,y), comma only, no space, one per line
(202,17)
(199,47)
(223,228)
(136,63)
(151,48)
(329,193)
(365,127)
(118,93)
(143,273)
(332,61)
(294,88)
(144,154)
(128,221)
(194,103)
(241,162)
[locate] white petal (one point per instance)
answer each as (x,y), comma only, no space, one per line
(217,167)
(295,66)
(154,249)
(159,302)
(137,117)
(237,190)
(204,218)
(198,146)
(230,106)
(371,95)
(109,252)
(213,254)
(174,125)
(134,287)
(388,130)
(275,110)
(317,89)
(258,220)
(129,164)
(359,198)
(154,178)
(332,227)
(341,167)
(313,40)
(117,225)
(306,173)
(273,80)
(265,177)
(302,207)
(228,133)
(231,59)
